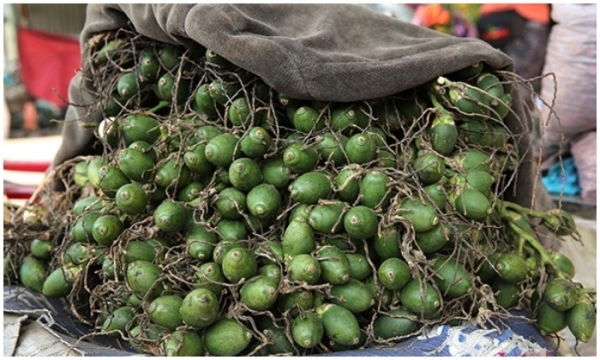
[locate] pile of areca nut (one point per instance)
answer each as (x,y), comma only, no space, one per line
(225,218)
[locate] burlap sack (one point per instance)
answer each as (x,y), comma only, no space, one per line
(326,52)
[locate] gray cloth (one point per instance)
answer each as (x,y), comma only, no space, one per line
(326,52)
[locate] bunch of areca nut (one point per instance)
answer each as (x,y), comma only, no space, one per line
(224,218)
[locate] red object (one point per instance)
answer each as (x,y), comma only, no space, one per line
(48,63)
(29,166)
(22,191)
(18,191)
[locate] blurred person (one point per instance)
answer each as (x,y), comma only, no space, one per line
(568,92)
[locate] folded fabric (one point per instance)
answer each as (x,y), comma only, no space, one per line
(562,178)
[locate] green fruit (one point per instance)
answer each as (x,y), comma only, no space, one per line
(195,160)
(360,222)
(143,279)
(340,325)
(199,308)
(421,298)
(550,321)
(506,294)
(374,189)
(86,205)
(259,293)
(386,159)
(183,343)
(393,273)
(395,323)
(433,240)
(218,61)
(429,167)
(111,179)
(171,174)
(278,344)
(244,174)
(298,238)
(386,243)
(222,150)
(138,127)
(171,216)
(359,266)
(239,263)
(256,143)
(354,295)
(310,187)
(210,276)
(239,112)
(276,173)
(204,103)
(307,119)
(226,337)
(141,335)
(264,202)
(444,134)
(190,192)
(361,148)
(80,174)
(342,119)
(296,302)
(300,159)
(131,199)
(127,85)
(206,133)
(81,231)
(491,85)
(304,268)
(512,268)
(77,254)
(139,250)
(472,204)
(32,274)
(232,230)
(335,267)
(480,180)
(468,99)
(473,159)
(560,294)
(347,183)
(106,229)
(581,320)
(307,330)
(164,311)
(331,148)
(231,203)
(423,217)
(136,165)
(327,218)
(451,277)
(107,52)
(149,66)
(58,283)
(223,92)
(41,249)
(565,264)
(173,89)
(271,271)
(116,323)
(169,56)
(93,170)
